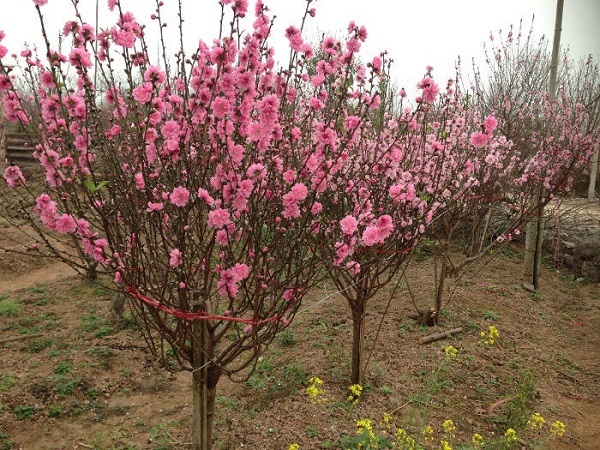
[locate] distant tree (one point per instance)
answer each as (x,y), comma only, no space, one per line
(515,87)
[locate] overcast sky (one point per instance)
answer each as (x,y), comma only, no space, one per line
(415,33)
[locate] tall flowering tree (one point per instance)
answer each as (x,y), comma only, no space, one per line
(197,188)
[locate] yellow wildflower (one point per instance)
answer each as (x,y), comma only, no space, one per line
(477,440)
(365,427)
(387,421)
(294,447)
(355,391)
(451,352)
(449,427)
(536,421)
(427,433)
(511,435)
(314,390)
(558,429)
(445,445)
(490,337)
(404,441)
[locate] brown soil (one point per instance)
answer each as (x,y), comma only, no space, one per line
(72,378)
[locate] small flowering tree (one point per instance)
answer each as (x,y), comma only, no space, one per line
(507,193)
(550,141)
(392,173)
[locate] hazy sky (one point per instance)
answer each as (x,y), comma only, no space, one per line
(415,33)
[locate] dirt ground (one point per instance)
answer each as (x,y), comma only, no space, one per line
(70,377)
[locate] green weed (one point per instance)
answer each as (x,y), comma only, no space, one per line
(54,411)
(24,411)
(7,380)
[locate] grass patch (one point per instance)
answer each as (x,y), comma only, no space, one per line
(7,380)
(38,345)
(9,308)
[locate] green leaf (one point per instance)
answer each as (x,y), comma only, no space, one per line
(93,188)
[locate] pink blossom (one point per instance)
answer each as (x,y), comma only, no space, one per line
(430,89)
(490,159)
(98,249)
(316,104)
(143,93)
(289,176)
(294,35)
(40,2)
(256,170)
(349,225)
(218,218)
(13,176)
(329,45)
(80,57)
(316,208)
(291,210)
(479,140)
(204,195)
(490,124)
(256,131)
(139,181)
(353,45)
(154,207)
(240,272)
(317,80)
(299,191)
(227,283)
(342,251)
(221,237)
(370,236)
(376,64)
(175,258)
(384,227)
(47,80)
(155,74)
(170,129)
(220,107)
(180,196)
(65,223)
(124,38)
(353,267)
(384,224)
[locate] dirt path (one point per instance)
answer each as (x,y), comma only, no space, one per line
(53,272)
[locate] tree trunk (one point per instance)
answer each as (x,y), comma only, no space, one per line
(593,175)
(530,277)
(439,292)
(358,329)
(205,377)
(539,242)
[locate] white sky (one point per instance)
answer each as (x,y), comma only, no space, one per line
(415,33)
